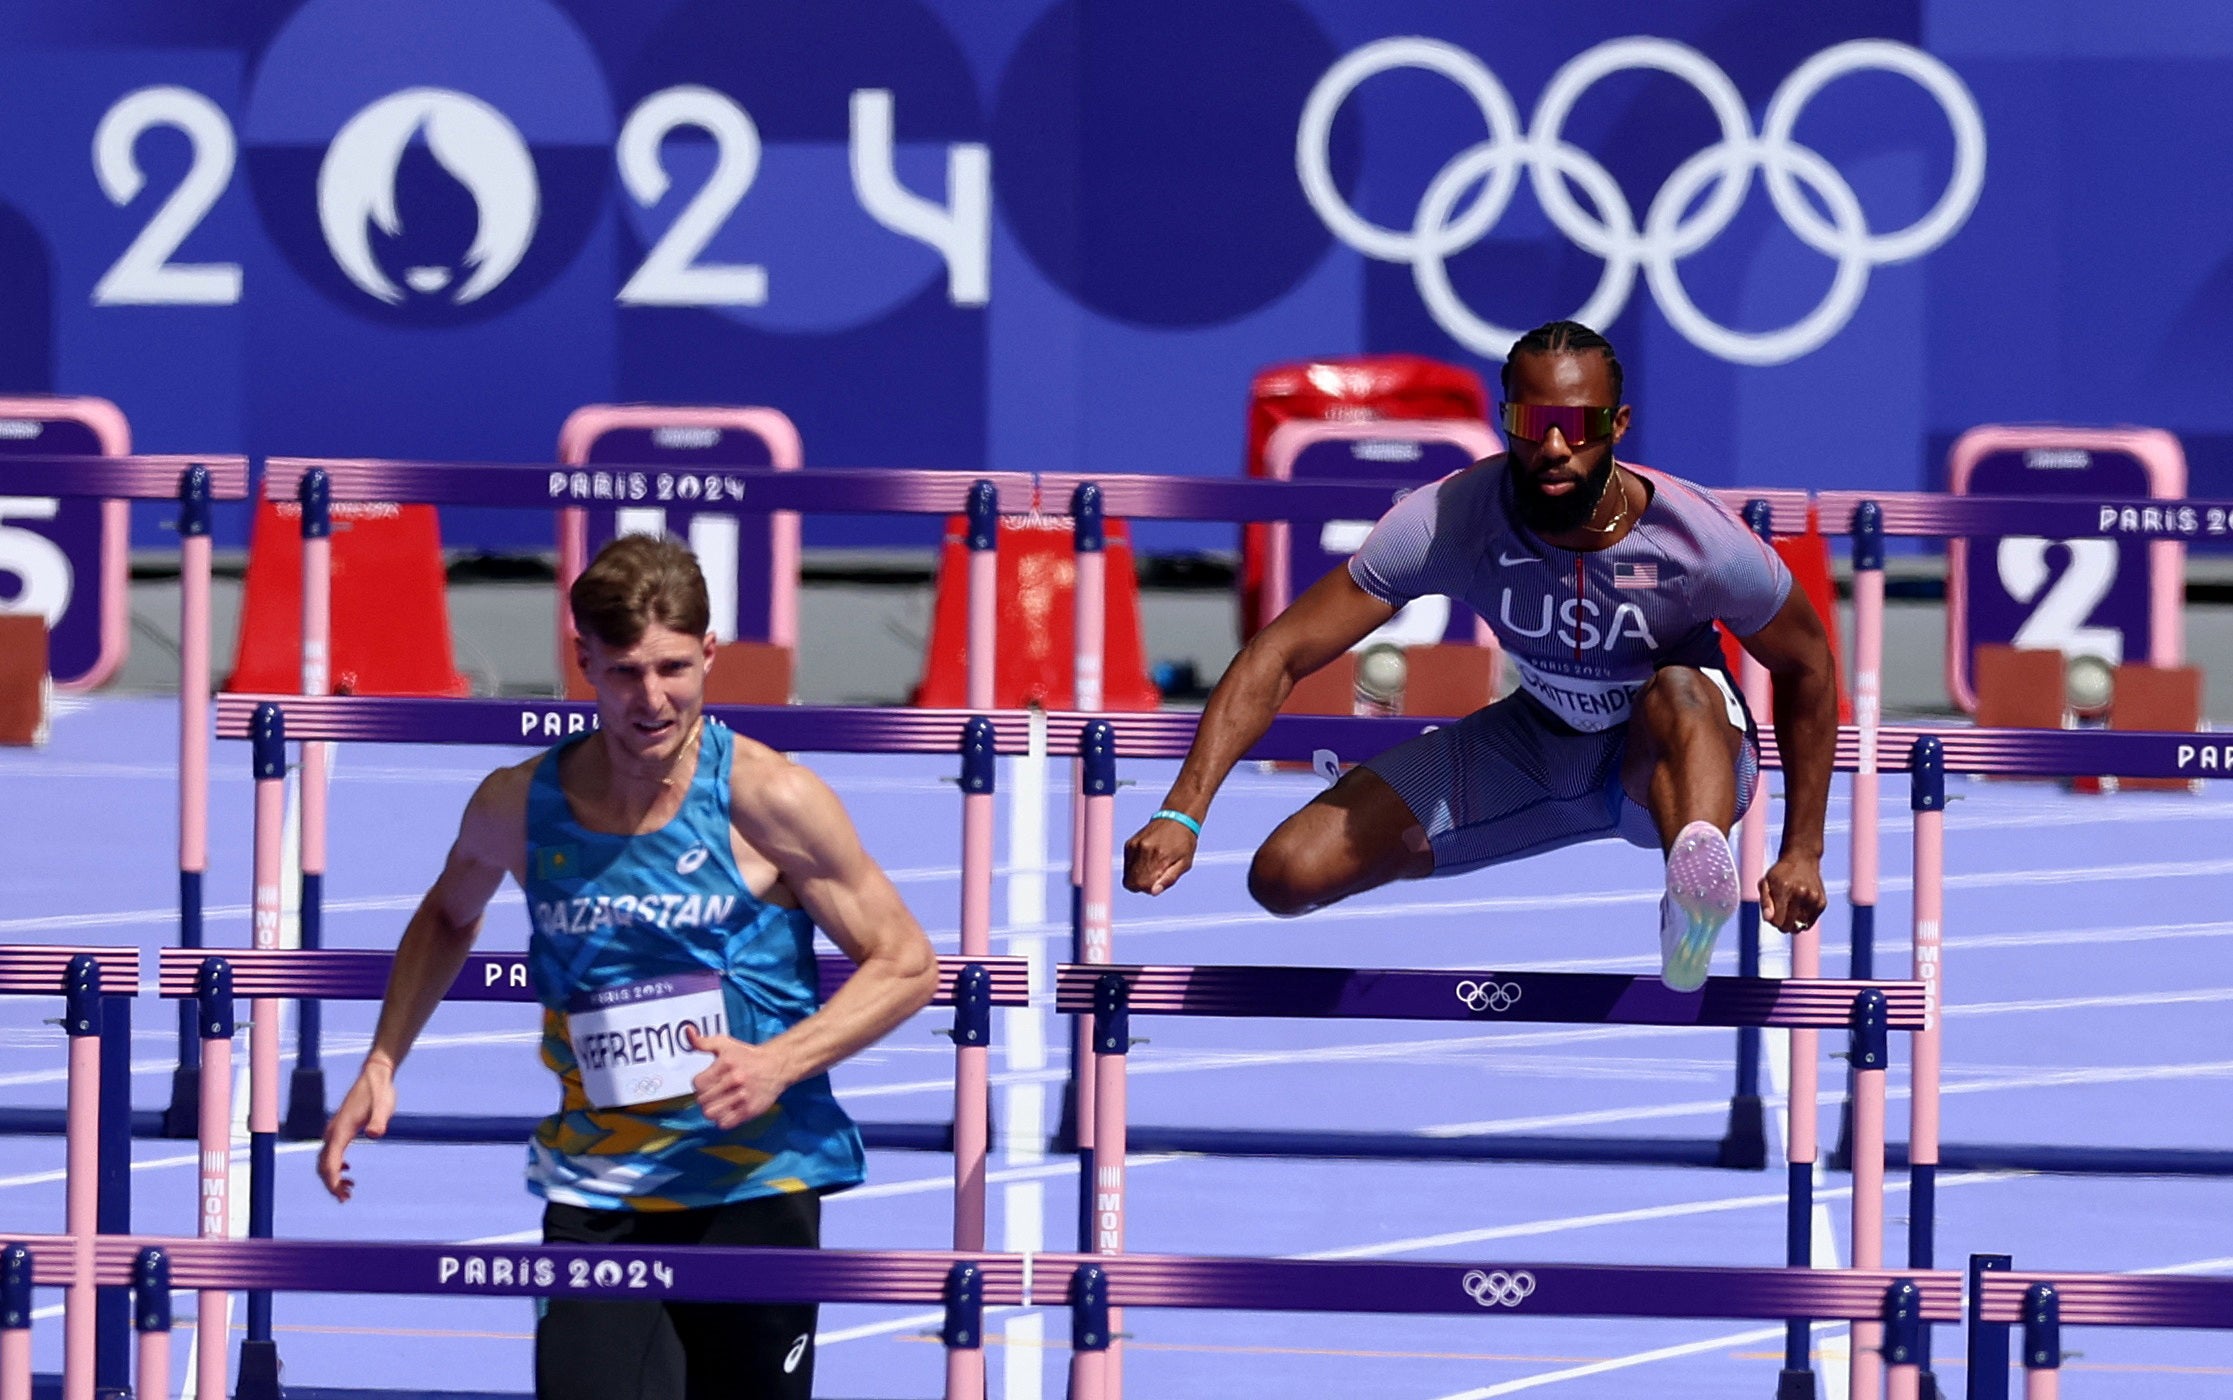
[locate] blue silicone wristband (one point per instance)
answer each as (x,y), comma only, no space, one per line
(1180,817)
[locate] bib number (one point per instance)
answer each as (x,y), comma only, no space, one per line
(631,1042)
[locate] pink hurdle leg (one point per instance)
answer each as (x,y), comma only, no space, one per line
(154,1364)
(1929,965)
(216,1146)
(1109,1176)
(1903,1382)
(972,1132)
(972,1070)
(965,1374)
(984,593)
(15,1363)
(1868,1185)
(81,1212)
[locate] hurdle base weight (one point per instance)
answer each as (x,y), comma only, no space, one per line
(1745,1146)
(306,1105)
(1795,1385)
(258,1378)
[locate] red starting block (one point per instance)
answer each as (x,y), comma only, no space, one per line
(26,690)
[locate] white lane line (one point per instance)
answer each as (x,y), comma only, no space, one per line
(2221,1265)
(1340,913)
(1623,1363)
(2193,996)
(1675,1211)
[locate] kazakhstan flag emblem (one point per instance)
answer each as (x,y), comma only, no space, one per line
(556,862)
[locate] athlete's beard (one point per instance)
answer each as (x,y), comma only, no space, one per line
(1555,515)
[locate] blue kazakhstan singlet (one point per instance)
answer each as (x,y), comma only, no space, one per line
(631,937)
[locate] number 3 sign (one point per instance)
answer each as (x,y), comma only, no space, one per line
(2114,600)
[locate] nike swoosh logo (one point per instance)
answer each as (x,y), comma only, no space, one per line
(1507,560)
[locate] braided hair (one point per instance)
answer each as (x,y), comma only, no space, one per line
(1563,338)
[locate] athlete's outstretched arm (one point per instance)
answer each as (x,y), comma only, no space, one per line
(1333,615)
(1796,651)
(790,816)
(491,840)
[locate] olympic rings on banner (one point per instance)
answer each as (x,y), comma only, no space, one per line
(1489,996)
(1672,229)
(1498,1289)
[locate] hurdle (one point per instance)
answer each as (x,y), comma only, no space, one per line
(2044,1303)
(864,491)
(973,986)
(1092,1287)
(92,982)
(839,729)
(1871,517)
(1113,993)
(192,483)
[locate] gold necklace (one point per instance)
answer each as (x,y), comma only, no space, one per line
(1621,515)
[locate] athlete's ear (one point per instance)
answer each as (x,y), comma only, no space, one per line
(1620,423)
(712,644)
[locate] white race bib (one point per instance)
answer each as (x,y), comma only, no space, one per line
(629,1040)
(1587,705)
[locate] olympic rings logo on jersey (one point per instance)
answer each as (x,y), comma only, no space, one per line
(1672,229)
(1498,1289)
(1489,996)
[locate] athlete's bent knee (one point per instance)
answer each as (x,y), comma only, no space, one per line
(1678,696)
(1279,880)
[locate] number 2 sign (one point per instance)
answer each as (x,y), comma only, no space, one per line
(2112,599)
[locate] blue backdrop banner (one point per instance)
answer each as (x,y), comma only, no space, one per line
(1060,234)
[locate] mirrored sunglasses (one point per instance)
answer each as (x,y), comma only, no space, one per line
(1533,421)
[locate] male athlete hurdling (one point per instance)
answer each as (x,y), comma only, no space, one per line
(1603,580)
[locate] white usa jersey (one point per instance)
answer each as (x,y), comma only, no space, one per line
(1585,629)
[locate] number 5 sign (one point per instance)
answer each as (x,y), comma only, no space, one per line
(63,557)
(2114,600)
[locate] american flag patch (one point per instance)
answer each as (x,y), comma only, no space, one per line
(1635,575)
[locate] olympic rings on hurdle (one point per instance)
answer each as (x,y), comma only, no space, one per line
(1498,1289)
(1489,996)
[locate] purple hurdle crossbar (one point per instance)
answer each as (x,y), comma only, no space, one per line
(361,974)
(1159,734)
(1096,1285)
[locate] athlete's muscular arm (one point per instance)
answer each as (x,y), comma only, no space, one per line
(1331,617)
(790,816)
(1796,651)
(491,841)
